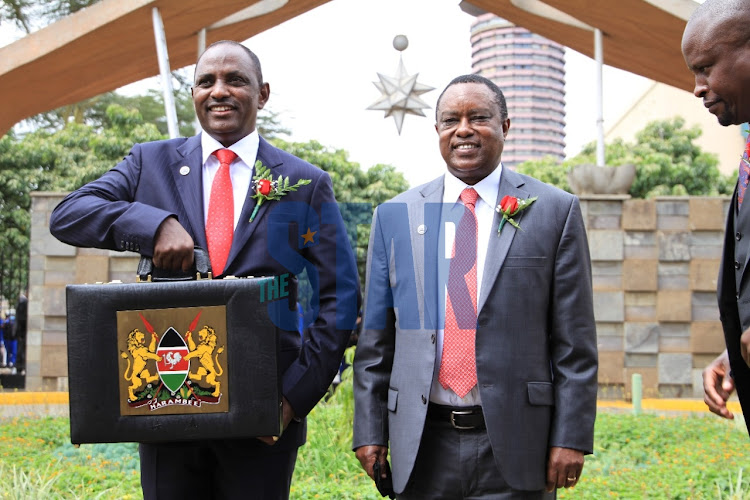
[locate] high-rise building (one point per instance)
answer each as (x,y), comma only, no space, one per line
(530,70)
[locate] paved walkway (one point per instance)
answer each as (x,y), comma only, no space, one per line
(15,403)
(657,404)
(21,403)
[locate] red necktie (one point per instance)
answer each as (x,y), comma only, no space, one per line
(458,367)
(744,174)
(220,220)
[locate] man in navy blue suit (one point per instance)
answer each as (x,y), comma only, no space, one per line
(156,202)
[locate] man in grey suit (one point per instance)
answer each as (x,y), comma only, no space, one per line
(716,47)
(478,370)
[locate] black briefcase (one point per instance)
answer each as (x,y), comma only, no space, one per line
(176,360)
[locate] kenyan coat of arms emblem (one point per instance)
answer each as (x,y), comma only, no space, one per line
(173,361)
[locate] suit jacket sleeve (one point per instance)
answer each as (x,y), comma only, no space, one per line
(103,213)
(375,350)
(573,339)
(307,379)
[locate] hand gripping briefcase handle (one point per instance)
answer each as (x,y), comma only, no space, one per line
(201,269)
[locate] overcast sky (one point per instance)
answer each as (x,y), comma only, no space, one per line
(321,66)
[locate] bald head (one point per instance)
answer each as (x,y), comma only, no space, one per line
(730,18)
(719,8)
(716,47)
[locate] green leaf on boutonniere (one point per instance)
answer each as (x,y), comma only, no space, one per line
(510,206)
(265,188)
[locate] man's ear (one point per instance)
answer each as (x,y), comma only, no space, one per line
(265,93)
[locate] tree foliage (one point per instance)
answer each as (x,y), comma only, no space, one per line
(60,160)
(29,15)
(268,125)
(357,191)
(667,160)
(93,111)
(547,169)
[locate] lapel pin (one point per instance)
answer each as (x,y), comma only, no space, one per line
(422,229)
(184,170)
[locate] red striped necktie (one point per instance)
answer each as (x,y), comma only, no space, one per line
(744,174)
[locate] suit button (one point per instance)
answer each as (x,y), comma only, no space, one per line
(432,338)
(737,265)
(738,235)
(424,400)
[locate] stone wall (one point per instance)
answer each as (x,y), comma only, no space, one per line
(52,266)
(655,265)
(654,262)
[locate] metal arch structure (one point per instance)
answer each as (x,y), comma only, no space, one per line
(640,36)
(112,43)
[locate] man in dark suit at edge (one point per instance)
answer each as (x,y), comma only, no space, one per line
(716,47)
(158,202)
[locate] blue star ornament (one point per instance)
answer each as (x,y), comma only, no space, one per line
(400,95)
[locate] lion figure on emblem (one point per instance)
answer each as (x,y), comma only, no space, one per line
(140,355)
(203,351)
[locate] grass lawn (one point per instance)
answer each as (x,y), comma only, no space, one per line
(648,456)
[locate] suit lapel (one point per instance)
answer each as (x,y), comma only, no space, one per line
(268,155)
(187,172)
(425,225)
(511,184)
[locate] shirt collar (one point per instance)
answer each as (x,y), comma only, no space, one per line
(246,148)
(487,188)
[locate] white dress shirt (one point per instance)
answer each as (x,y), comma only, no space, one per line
(241,169)
(487,189)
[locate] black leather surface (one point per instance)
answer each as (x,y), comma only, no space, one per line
(252,350)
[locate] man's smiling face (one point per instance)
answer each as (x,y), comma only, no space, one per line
(227,94)
(471,131)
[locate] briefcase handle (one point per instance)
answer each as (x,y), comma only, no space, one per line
(201,269)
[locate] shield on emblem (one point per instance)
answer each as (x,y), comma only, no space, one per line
(173,367)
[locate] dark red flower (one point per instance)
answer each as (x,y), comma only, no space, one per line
(509,204)
(264,187)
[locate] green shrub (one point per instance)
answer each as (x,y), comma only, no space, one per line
(667,163)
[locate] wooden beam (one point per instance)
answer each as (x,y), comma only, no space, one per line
(638,36)
(111,44)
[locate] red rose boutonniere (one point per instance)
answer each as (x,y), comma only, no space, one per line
(510,206)
(264,187)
